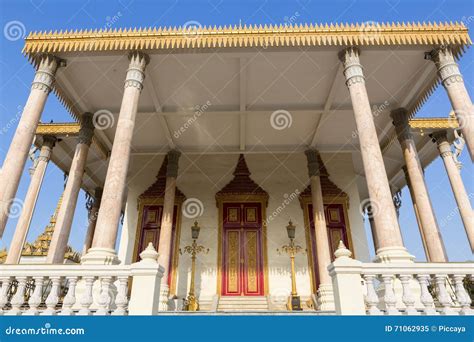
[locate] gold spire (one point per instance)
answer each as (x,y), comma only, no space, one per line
(40,246)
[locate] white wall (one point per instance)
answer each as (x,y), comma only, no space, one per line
(280,175)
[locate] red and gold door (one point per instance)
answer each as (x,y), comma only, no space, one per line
(242,257)
(334,214)
(150,232)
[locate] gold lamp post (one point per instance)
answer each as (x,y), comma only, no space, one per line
(294,302)
(192,303)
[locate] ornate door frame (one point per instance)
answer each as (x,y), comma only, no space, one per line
(305,202)
(244,198)
(144,202)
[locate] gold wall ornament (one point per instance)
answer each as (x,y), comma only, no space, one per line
(294,302)
(192,303)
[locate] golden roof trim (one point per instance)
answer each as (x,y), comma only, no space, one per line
(70,129)
(434,123)
(365,34)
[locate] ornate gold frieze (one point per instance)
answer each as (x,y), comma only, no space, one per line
(365,34)
(434,123)
(70,129)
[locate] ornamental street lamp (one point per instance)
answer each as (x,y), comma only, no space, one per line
(192,303)
(294,302)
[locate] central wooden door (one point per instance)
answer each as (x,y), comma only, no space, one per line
(242,263)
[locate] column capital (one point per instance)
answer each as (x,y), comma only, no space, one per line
(172,167)
(46,67)
(400,118)
(86,132)
(352,68)
(314,167)
(49,140)
(448,69)
(441,139)
(136,69)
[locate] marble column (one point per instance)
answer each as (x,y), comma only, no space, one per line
(415,208)
(92,220)
(460,194)
(429,225)
(62,229)
(19,147)
(451,78)
(24,221)
(103,244)
(370,215)
(166,237)
(389,237)
(323,252)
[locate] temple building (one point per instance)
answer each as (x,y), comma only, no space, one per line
(232,169)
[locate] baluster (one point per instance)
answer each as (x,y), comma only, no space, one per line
(443,295)
(104,296)
(53,297)
(425,296)
(408,298)
(35,299)
(19,298)
(389,298)
(86,298)
(121,301)
(70,298)
(6,281)
(462,295)
(371,299)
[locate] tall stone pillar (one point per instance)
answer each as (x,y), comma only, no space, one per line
(453,82)
(429,225)
(18,152)
(460,194)
(166,237)
(92,220)
(415,208)
(389,237)
(103,244)
(24,221)
(58,245)
(370,215)
(323,252)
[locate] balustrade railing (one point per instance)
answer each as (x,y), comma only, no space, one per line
(401,288)
(81,289)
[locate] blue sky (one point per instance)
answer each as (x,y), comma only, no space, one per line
(16,75)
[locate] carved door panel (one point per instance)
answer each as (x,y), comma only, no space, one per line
(150,231)
(242,263)
(337,231)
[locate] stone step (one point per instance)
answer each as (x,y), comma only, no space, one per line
(242,304)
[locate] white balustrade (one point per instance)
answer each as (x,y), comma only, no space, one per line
(402,288)
(41,290)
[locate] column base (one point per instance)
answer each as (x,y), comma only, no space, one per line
(393,255)
(164,293)
(325,298)
(100,256)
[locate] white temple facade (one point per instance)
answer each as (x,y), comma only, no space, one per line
(232,169)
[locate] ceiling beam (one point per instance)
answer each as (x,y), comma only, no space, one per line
(66,85)
(409,100)
(150,86)
(329,101)
(252,150)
